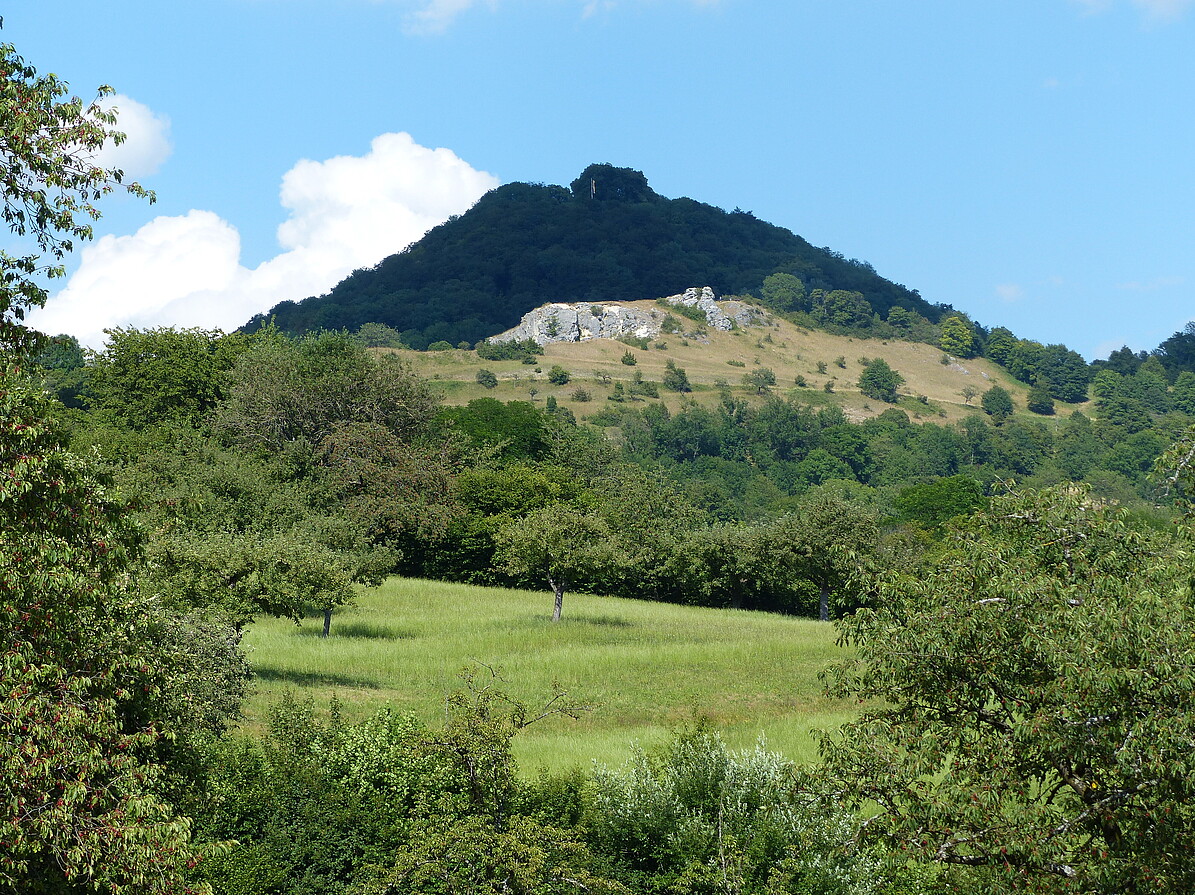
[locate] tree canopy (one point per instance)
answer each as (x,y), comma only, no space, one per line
(1036,683)
(609,237)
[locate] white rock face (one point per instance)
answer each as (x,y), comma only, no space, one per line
(563,322)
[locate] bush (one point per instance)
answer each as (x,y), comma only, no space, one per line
(558,375)
(997,403)
(645,387)
(1040,401)
(629,359)
(526,350)
(379,335)
(486,378)
(440,346)
(696,817)
(880,381)
(675,378)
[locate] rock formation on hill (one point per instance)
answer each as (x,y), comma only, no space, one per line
(578,322)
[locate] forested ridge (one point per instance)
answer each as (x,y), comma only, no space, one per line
(1014,591)
(608,238)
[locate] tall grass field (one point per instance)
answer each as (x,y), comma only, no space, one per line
(642,668)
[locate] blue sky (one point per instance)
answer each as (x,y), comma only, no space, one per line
(1028,161)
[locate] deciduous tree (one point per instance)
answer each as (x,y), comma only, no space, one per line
(558,544)
(1036,686)
(51,184)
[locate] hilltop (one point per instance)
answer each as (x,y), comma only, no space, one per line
(607,237)
(934,388)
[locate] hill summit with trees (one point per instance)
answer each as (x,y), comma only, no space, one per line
(607,237)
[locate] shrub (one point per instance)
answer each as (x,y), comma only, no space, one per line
(486,378)
(675,378)
(558,375)
(880,381)
(526,350)
(639,342)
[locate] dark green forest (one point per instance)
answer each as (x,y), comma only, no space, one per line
(1014,591)
(608,238)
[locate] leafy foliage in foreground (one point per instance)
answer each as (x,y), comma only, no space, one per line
(86,714)
(391,806)
(1039,688)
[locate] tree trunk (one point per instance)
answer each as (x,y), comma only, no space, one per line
(327,622)
(558,589)
(823,609)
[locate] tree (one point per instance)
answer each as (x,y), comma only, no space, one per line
(840,307)
(558,544)
(83,709)
(606,183)
(675,377)
(1066,374)
(997,403)
(1040,401)
(1001,343)
(487,378)
(880,381)
(957,338)
(284,396)
(163,376)
(50,182)
(969,393)
(82,714)
(932,504)
(760,379)
(514,430)
(557,375)
(1037,704)
(784,292)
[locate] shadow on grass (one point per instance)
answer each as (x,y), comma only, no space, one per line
(597,621)
(358,630)
(314,678)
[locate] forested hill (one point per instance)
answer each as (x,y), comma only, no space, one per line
(609,237)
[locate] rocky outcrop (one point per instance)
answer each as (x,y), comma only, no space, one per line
(560,322)
(565,322)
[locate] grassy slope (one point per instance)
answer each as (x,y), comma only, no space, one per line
(645,667)
(785,348)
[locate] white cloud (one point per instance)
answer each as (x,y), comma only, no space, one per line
(1010,292)
(1163,10)
(1155,10)
(147,139)
(346,212)
(1153,285)
(436,16)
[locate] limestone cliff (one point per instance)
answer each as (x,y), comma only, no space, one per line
(578,322)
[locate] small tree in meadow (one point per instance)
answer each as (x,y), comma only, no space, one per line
(558,544)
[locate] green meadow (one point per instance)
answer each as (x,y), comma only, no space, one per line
(641,668)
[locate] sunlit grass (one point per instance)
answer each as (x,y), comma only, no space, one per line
(644,668)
